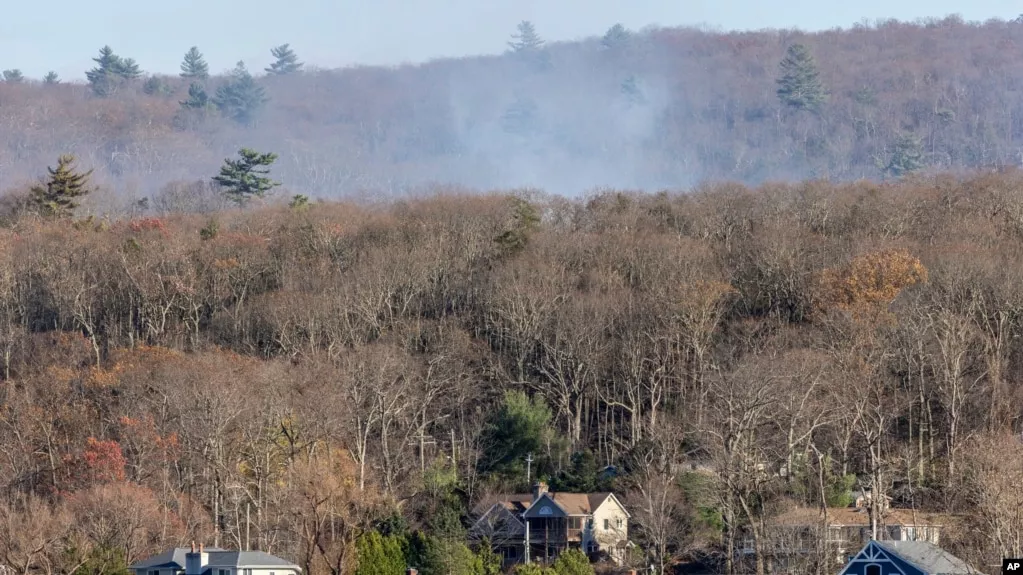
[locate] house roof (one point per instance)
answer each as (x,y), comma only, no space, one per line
(247,559)
(570,503)
(929,558)
(850,517)
(216,558)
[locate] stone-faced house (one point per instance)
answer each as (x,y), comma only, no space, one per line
(537,526)
(906,558)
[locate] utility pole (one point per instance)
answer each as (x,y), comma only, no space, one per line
(454,463)
(247,525)
(529,467)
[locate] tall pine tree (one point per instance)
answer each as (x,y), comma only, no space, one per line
(241,97)
(907,156)
(287,62)
(800,86)
(615,36)
(246,177)
(194,66)
(110,72)
(526,39)
(58,198)
(13,76)
(198,99)
(51,78)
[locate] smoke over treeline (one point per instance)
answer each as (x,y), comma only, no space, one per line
(665,108)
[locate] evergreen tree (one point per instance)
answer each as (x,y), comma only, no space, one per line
(194,66)
(241,97)
(581,476)
(573,562)
(198,99)
(488,562)
(632,92)
(615,36)
(907,156)
(156,86)
(110,72)
(13,76)
(246,177)
(526,39)
(51,78)
(58,197)
(518,429)
(379,555)
(799,86)
(287,62)
(437,556)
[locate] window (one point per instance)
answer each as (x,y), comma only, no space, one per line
(619,523)
(223,572)
(247,571)
(873,570)
(607,525)
(589,524)
(575,522)
(154,572)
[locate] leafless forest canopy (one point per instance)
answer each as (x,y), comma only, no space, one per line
(662,109)
(318,370)
(295,378)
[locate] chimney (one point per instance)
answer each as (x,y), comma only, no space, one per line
(539,488)
(195,562)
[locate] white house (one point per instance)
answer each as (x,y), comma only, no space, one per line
(182,561)
(537,526)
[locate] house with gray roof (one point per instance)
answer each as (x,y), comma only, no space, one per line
(906,558)
(214,561)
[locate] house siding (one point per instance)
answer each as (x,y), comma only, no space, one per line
(617,530)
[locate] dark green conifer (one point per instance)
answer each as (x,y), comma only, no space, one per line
(286,63)
(241,97)
(246,177)
(800,86)
(58,198)
(194,66)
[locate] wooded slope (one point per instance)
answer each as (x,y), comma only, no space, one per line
(321,370)
(667,108)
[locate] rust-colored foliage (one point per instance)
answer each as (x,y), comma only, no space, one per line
(872,281)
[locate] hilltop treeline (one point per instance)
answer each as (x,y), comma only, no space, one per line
(297,378)
(663,108)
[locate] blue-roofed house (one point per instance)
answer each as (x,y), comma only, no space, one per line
(214,561)
(906,558)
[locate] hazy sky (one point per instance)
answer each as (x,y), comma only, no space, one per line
(63,35)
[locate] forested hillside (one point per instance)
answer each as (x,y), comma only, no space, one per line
(296,379)
(660,109)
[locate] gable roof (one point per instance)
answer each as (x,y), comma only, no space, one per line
(572,504)
(542,507)
(247,559)
(909,558)
(929,558)
(175,558)
(498,513)
(598,499)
